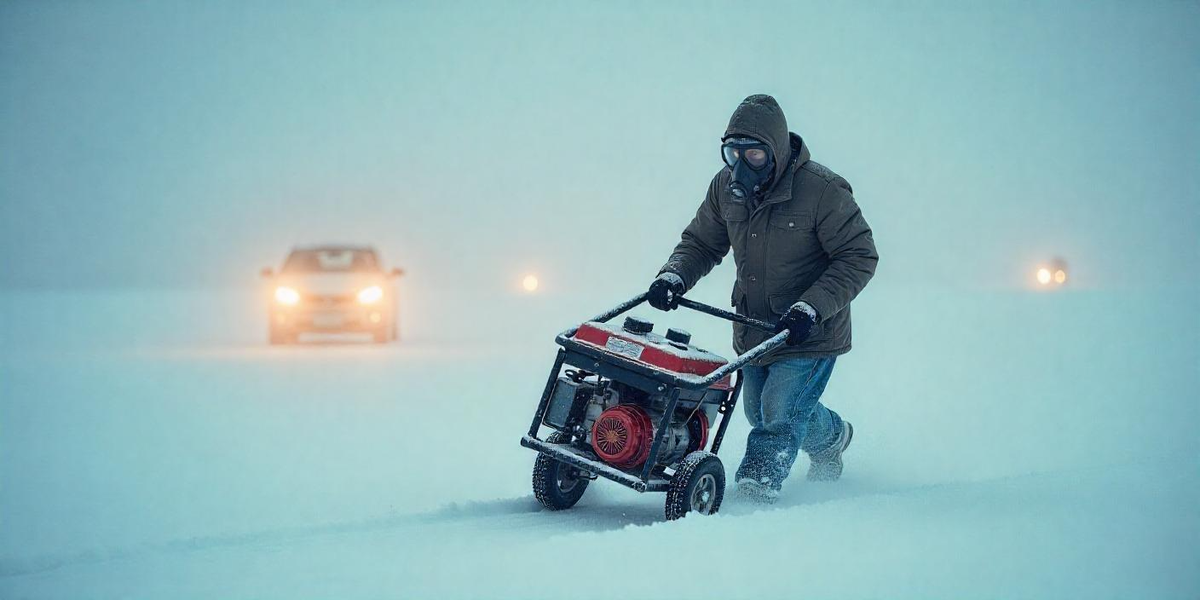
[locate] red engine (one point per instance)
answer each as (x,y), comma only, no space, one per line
(623,434)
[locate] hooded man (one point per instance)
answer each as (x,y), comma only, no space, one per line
(803,252)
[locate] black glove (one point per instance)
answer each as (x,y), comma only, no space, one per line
(799,320)
(665,291)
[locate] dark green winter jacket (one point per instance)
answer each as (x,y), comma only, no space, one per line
(806,239)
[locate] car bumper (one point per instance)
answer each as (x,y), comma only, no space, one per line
(337,320)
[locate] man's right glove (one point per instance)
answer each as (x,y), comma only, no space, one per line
(799,320)
(665,291)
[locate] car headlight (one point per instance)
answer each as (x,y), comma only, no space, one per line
(1052,274)
(286,295)
(370,295)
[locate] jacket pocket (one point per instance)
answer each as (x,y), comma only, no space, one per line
(782,301)
(791,247)
(736,298)
(787,222)
(790,234)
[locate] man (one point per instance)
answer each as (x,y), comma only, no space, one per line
(803,252)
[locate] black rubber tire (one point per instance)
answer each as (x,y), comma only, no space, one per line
(697,486)
(548,474)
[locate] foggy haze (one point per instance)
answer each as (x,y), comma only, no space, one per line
(190,144)
(174,425)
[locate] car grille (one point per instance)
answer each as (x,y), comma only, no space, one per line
(328,301)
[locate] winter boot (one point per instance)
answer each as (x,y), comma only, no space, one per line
(827,464)
(756,491)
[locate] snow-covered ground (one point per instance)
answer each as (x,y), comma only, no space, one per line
(1009,444)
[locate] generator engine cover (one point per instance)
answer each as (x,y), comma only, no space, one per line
(654,351)
(622,436)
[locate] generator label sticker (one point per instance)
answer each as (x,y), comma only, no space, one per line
(624,347)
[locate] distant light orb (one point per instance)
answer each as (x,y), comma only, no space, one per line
(1060,276)
(1044,275)
(530,283)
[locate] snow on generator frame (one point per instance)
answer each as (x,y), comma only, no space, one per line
(637,408)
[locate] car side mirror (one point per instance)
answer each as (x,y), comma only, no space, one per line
(397,272)
(267,273)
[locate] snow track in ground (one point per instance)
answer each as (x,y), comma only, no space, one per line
(142,458)
(1073,533)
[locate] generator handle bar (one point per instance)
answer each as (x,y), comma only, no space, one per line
(727,315)
(620,309)
(633,302)
(770,344)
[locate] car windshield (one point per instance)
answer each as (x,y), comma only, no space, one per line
(332,259)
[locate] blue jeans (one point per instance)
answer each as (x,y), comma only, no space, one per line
(782,401)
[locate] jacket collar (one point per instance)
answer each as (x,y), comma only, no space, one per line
(781,191)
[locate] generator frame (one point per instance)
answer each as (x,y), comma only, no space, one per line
(681,389)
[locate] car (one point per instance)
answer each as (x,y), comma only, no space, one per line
(332,289)
(1052,274)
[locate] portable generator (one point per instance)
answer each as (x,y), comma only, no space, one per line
(639,408)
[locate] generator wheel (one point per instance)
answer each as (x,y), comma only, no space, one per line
(697,487)
(558,486)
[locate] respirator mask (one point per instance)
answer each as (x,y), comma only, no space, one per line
(752,166)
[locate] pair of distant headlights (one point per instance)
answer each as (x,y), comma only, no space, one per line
(290,297)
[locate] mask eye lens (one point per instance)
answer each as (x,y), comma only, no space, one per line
(730,154)
(756,157)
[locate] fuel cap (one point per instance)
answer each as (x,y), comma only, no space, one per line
(638,325)
(679,336)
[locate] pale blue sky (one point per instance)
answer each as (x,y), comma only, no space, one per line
(189,144)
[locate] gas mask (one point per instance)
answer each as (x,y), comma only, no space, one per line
(752,165)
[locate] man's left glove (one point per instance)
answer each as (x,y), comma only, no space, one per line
(799,320)
(665,291)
